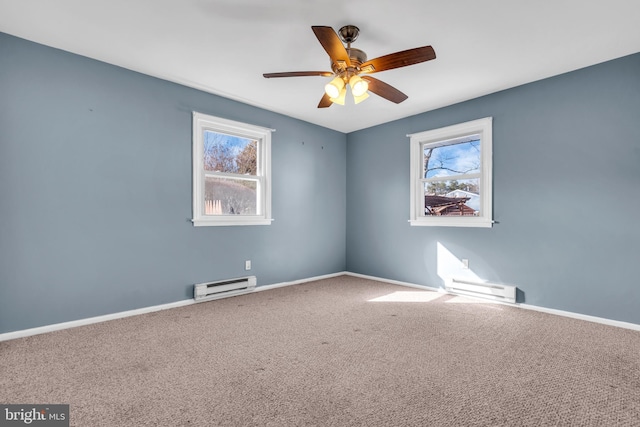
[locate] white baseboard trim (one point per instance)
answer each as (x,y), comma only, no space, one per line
(594,319)
(91,320)
(298,282)
(602,320)
(395,282)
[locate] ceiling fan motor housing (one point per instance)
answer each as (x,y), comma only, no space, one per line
(356,57)
(348,34)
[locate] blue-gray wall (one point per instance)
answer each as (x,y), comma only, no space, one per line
(566,190)
(95,192)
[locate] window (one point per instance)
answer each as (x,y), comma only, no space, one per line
(231,172)
(451,175)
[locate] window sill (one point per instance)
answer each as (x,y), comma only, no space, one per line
(229,221)
(452,222)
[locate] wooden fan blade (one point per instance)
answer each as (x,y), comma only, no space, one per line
(299,74)
(325,102)
(399,59)
(384,90)
(332,44)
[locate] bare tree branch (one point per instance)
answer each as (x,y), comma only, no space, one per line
(442,160)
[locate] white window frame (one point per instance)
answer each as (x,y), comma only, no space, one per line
(204,122)
(436,137)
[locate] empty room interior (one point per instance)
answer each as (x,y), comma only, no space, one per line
(337,213)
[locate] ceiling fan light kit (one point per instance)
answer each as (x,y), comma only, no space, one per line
(340,98)
(360,98)
(358,86)
(334,87)
(347,64)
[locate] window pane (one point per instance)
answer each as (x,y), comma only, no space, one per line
(230,196)
(452,197)
(230,154)
(455,159)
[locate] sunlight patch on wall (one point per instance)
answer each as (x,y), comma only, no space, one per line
(459,279)
(448,266)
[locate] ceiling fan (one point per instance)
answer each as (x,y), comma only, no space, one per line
(350,67)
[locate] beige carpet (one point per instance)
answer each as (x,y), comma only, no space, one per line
(324,354)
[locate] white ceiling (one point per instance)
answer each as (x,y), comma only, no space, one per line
(224,46)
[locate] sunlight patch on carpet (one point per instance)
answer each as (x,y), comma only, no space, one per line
(408,296)
(460,299)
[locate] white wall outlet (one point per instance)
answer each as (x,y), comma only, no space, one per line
(465,263)
(247,265)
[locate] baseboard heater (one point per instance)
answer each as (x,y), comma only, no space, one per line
(223,288)
(480,289)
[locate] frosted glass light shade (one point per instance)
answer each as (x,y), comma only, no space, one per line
(358,86)
(341,96)
(359,99)
(334,87)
